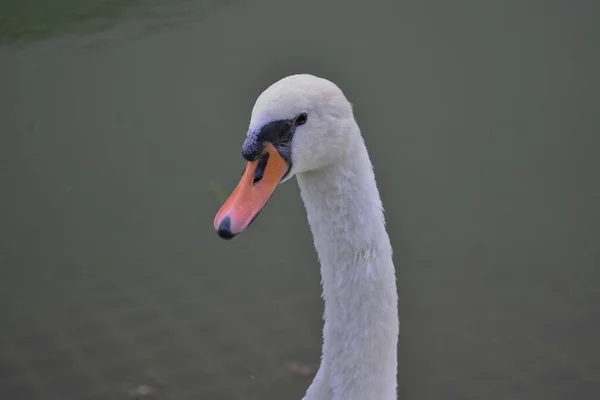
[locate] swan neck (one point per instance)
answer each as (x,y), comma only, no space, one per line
(360,333)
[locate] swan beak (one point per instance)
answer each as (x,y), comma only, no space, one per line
(258,182)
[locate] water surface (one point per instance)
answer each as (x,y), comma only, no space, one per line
(121,125)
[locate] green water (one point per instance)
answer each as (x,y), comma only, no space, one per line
(34,19)
(120,132)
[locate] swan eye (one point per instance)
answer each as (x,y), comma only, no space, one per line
(301,119)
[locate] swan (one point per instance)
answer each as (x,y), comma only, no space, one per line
(303,126)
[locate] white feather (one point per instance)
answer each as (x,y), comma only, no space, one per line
(345,214)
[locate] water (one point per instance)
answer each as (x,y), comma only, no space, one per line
(121,129)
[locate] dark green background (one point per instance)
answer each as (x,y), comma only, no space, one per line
(120,131)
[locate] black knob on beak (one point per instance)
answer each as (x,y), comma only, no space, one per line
(251,149)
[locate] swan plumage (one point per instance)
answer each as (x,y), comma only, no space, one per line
(304,126)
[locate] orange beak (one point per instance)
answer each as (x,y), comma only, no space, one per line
(258,183)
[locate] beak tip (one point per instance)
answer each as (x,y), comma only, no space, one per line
(224,229)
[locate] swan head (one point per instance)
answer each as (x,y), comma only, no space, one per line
(299,124)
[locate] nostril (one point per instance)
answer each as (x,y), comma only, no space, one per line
(260,168)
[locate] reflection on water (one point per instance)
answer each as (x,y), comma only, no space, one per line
(480,120)
(23,21)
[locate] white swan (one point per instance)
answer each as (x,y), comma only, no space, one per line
(304,126)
